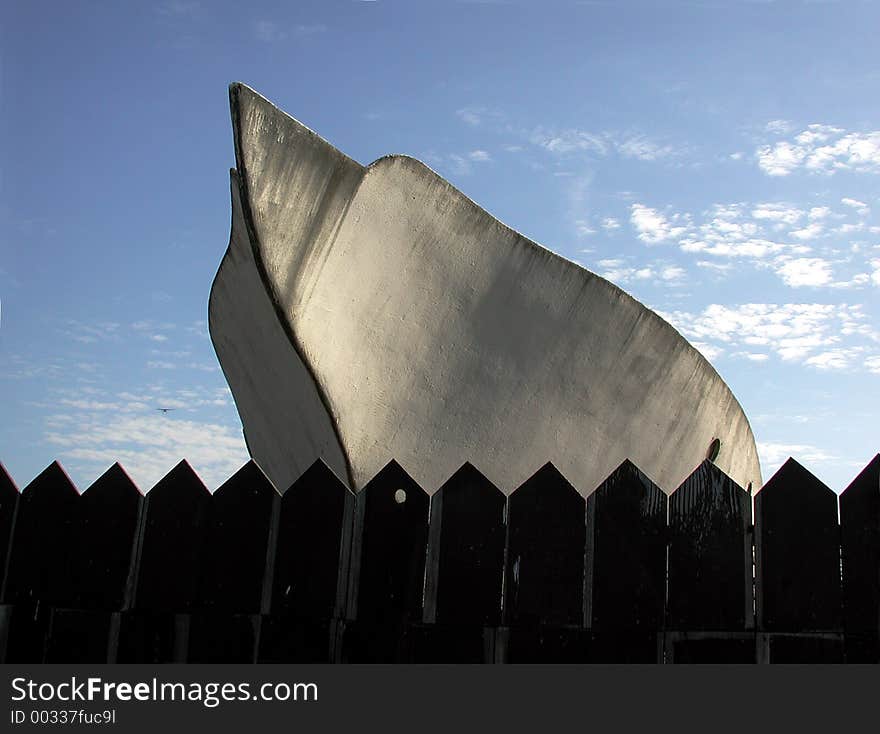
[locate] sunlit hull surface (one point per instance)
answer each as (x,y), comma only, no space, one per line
(367,313)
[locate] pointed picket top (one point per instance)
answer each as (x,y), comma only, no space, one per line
(626,552)
(867,482)
(249,480)
(236,542)
(171,545)
(8,500)
(310,573)
(629,478)
(109,510)
(548,479)
(468,477)
(707,480)
(797,552)
(44,540)
(113,482)
(53,481)
(860,540)
(8,487)
(319,473)
(182,479)
(710,553)
(466,550)
(793,481)
(390,475)
(545,559)
(391,529)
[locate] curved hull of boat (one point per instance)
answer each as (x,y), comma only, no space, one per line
(363,314)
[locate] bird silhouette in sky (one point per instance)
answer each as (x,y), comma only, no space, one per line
(165,410)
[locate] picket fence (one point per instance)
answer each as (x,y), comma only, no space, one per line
(467,574)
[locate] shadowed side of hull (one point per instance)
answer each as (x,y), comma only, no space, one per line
(406,322)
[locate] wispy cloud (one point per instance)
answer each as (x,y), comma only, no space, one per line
(807,333)
(822,149)
(269,31)
(460,164)
(622,271)
(653,227)
(149,446)
(805,271)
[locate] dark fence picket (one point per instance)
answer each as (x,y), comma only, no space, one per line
(388,561)
(109,513)
(167,567)
(797,555)
(626,566)
(321,575)
(236,543)
(860,540)
(106,531)
(710,565)
(8,503)
(40,562)
(310,573)
(544,573)
(237,536)
(465,568)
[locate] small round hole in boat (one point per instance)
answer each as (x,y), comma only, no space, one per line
(714,448)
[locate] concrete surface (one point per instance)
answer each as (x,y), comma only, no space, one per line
(368,313)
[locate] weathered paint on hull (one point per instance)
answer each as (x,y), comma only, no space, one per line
(368,313)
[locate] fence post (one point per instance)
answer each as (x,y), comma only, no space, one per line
(710,596)
(797,562)
(310,569)
(108,513)
(860,537)
(544,575)
(40,562)
(167,569)
(8,506)
(627,566)
(226,625)
(388,562)
(465,570)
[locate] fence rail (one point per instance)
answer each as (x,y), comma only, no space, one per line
(706,573)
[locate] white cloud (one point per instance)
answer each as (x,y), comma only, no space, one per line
(92,333)
(860,206)
(822,149)
(777,212)
(834,359)
(149,446)
(809,333)
(569,141)
(805,271)
(872,364)
(479,156)
(621,271)
(471,115)
(773,454)
(780,127)
(582,228)
(653,227)
(780,159)
(810,232)
(268,31)
(610,223)
(643,149)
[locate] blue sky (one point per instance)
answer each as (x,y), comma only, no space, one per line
(718,160)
